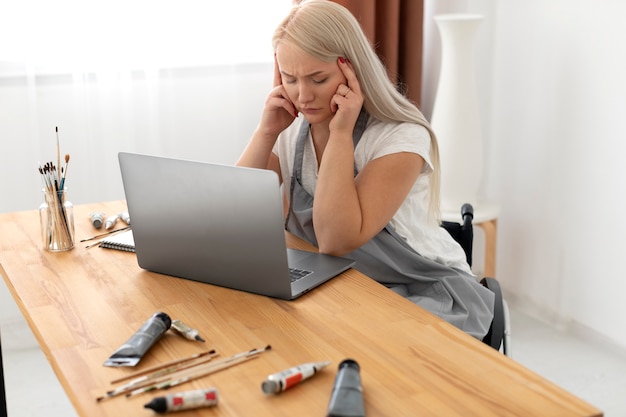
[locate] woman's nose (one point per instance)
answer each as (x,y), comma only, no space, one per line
(305,94)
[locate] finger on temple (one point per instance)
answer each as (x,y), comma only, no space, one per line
(278,80)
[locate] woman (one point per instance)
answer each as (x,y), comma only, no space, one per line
(360,165)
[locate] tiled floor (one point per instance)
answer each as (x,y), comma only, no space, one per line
(32,388)
(592,372)
(584,367)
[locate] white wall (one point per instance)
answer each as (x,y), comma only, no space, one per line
(553,97)
(552,94)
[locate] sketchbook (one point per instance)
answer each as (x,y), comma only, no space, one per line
(122,241)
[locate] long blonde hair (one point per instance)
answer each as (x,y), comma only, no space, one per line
(327,31)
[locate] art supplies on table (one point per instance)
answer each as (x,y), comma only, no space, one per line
(131,352)
(186,400)
(286,379)
(191,374)
(186,331)
(125,217)
(56,212)
(347,396)
(178,372)
(158,374)
(110,221)
(97,219)
(122,241)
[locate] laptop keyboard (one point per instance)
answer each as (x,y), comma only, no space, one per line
(297,274)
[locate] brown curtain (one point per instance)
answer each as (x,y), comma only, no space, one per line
(395,28)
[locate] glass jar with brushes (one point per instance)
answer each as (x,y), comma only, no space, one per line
(56,214)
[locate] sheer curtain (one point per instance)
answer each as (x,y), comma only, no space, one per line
(395,27)
(186,79)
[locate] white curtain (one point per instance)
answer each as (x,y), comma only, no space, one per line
(183,79)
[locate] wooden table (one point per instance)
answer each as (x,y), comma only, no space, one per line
(83,304)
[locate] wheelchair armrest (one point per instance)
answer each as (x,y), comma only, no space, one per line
(496,332)
(467,215)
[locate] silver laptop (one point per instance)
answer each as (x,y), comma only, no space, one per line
(217,224)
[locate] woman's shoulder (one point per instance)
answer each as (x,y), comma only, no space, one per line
(411,129)
(381,133)
(384,138)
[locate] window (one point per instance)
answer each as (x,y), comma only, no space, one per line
(83,35)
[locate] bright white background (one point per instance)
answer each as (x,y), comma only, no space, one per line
(551,89)
(553,100)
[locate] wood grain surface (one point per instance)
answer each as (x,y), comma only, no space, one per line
(84,303)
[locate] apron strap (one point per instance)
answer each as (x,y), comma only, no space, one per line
(303,135)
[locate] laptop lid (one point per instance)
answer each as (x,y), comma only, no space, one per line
(217,224)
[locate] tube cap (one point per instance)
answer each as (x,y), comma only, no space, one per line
(270,387)
(158,404)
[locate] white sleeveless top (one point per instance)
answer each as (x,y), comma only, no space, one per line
(380,139)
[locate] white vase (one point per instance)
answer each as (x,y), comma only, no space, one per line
(455,118)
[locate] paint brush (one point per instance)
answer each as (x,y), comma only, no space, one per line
(165,365)
(190,377)
(58,148)
(199,372)
(64,170)
(158,374)
(112,232)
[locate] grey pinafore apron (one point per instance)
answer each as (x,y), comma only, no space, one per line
(453,295)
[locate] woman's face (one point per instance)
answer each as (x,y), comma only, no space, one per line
(309,82)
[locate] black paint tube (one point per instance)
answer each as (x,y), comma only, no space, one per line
(131,352)
(346,399)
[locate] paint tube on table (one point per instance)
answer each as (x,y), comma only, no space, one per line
(97,219)
(347,396)
(186,331)
(131,352)
(186,400)
(125,217)
(110,221)
(286,379)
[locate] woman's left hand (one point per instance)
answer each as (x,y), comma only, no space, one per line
(347,101)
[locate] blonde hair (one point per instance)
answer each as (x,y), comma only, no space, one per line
(327,31)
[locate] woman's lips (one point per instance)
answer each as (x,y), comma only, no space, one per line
(309,110)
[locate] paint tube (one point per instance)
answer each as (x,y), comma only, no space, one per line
(347,396)
(131,352)
(186,331)
(97,219)
(286,379)
(186,400)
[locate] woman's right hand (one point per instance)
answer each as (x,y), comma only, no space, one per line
(279,112)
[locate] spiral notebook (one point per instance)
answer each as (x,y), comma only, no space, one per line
(121,241)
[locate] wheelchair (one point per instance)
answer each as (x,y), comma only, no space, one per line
(499,333)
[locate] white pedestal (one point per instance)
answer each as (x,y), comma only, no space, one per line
(456,117)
